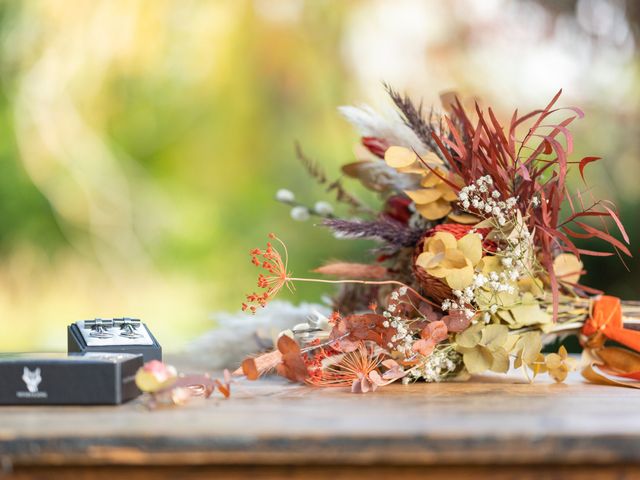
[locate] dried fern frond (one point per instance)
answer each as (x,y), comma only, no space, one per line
(414,119)
(311,166)
(343,196)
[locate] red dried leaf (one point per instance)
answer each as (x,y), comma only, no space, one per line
(593,253)
(456,321)
(437,331)
(375,145)
(584,162)
(525,170)
(292,365)
(616,219)
(349,332)
(604,236)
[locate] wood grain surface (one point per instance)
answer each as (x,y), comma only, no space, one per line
(481,424)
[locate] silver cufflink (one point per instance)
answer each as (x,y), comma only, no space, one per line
(99,327)
(128,327)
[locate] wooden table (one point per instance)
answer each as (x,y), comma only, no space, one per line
(273,429)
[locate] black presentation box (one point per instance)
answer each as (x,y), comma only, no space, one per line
(61,379)
(77,343)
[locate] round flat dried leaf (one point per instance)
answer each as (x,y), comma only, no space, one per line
(431,179)
(429,260)
(567,267)
(423,196)
(460,278)
(464,218)
(431,159)
(441,241)
(399,157)
(434,210)
(471,247)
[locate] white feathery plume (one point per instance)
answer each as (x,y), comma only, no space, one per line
(370,123)
(239,335)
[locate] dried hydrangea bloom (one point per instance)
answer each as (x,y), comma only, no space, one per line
(452,260)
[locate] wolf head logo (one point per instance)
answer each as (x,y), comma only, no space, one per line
(31,379)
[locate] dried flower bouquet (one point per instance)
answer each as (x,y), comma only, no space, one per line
(476,267)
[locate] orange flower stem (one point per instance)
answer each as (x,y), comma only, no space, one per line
(365,282)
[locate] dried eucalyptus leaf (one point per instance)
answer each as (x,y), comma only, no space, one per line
(494,335)
(500,362)
(477,360)
(470,337)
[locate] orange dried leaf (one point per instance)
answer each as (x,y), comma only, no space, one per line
(250,369)
(292,365)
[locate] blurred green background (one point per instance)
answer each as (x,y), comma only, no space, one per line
(141,142)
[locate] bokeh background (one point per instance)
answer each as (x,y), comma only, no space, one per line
(141,142)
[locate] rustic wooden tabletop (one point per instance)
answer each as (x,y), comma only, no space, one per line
(487,426)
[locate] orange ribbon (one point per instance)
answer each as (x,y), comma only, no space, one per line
(607,365)
(606,318)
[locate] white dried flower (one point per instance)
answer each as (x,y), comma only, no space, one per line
(323,208)
(300,214)
(285,196)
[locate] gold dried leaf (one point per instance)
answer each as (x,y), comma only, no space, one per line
(559,364)
(494,335)
(470,337)
(424,196)
(432,179)
(399,157)
(526,315)
(471,246)
(528,349)
(428,260)
(478,359)
(460,278)
(567,267)
(464,218)
(435,210)
(432,159)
